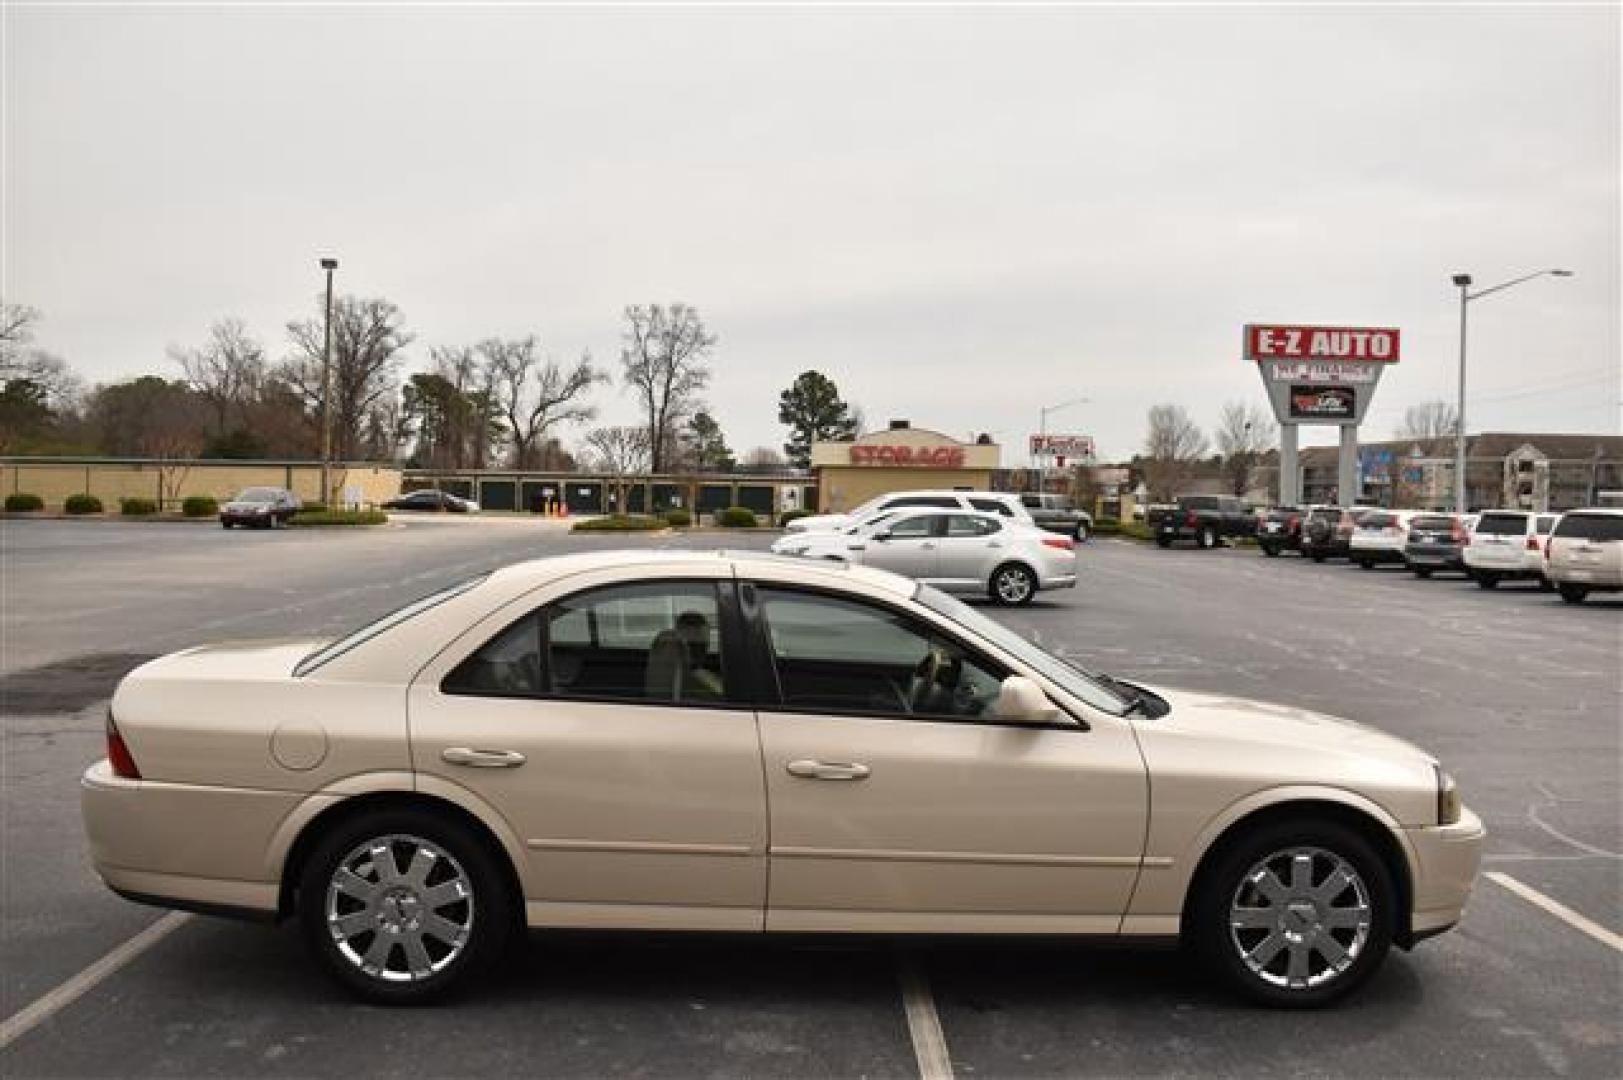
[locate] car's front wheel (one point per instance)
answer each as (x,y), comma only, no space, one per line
(1080,533)
(1573,594)
(1486,580)
(1013,584)
(1270,550)
(401,905)
(1296,914)
(1422,572)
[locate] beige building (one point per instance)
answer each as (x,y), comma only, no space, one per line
(900,458)
(169,482)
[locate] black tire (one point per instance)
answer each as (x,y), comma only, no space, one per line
(1270,550)
(1366,564)
(1080,535)
(1163,542)
(1422,572)
(1208,925)
(1545,584)
(225,524)
(1485,580)
(1012,585)
(1317,556)
(488,911)
(1209,538)
(1573,594)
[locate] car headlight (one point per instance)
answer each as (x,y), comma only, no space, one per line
(1448,798)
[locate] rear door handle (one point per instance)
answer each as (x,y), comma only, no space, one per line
(481,759)
(828,770)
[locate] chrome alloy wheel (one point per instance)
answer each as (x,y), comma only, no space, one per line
(399,908)
(1013,584)
(1300,918)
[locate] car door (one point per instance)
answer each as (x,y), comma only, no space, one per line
(609,729)
(896,804)
(968,549)
(908,544)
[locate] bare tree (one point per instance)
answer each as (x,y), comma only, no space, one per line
(534,393)
(664,355)
(764,459)
(17,322)
(1429,420)
(367,337)
(1245,430)
(1172,446)
(618,451)
(227,371)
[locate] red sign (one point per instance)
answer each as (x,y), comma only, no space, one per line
(1348,344)
(945,457)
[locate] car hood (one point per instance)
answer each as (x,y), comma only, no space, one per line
(1248,723)
(819,523)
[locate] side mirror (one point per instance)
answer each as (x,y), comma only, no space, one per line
(1023,702)
(881,536)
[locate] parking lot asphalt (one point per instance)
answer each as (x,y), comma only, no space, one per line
(1519,694)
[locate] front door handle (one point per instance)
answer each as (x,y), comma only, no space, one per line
(481,759)
(828,770)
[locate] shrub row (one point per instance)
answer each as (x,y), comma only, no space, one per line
(197,506)
(1106,526)
(737,517)
(82,504)
(22,502)
(307,518)
(678,519)
(137,507)
(619,523)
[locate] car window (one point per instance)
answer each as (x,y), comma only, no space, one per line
(1502,524)
(1377,521)
(965,525)
(1431,523)
(652,642)
(946,501)
(912,528)
(992,506)
(1033,501)
(1199,502)
(838,655)
(1545,523)
(1590,527)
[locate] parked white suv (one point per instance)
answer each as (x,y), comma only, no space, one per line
(1002,503)
(1380,536)
(1585,553)
(1508,544)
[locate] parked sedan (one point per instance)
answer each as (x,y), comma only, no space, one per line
(259,508)
(435,501)
(1437,543)
(959,551)
(712,741)
(1004,504)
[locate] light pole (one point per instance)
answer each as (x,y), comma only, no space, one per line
(1042,429)
(328,265)
(1463,281)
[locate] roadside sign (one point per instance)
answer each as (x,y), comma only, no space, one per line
(1321,374)
(1077,446)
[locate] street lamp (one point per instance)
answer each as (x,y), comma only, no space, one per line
(328,265)
(1042,429)
(1463,281)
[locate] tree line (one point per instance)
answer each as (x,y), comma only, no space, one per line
(500,402)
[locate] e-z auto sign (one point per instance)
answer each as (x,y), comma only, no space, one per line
(1364,344)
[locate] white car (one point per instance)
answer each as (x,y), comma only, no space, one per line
(1380,536)
(1506,545)
(1004,504)
(1584,553)
(957,551)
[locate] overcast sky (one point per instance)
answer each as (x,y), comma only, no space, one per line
(959,215)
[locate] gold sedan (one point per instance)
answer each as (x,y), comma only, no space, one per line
(690,741)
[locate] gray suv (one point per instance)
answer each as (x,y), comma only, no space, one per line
(1057,513)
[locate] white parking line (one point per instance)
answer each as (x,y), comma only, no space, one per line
(923,1024)
(27,1019)
(1559,910)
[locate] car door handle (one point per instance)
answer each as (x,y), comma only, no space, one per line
(828,770)
(927,546)
(481,759)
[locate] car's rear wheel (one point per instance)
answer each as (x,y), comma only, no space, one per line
(1208,537)
(1080,535)
(1163,542)
(1013,585)
(1422,572)
(1366,564)
(1573,594)
(402,905)
(1296,914)
(1270,550)
(1486,580)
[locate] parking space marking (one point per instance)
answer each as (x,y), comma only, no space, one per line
(1559,910)
(27,1019)
(923,1022)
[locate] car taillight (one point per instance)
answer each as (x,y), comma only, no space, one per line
(1459,535)
(1064,543)
(118,754)
(1532,543)
(1190,519)
(1293,523)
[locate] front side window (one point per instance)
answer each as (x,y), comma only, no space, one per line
(964,525)
(833,654)
(654,642)
(913,528)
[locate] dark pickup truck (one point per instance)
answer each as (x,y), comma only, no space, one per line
(1057,513)
(1208,520)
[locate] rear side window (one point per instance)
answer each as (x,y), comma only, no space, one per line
(1590,527)
(992,506)
(924,500)
(1502,524)
(964,525)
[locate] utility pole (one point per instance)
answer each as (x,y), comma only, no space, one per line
(328,265)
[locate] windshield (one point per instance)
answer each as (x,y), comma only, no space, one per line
(868,522)
(377,626)
(1502,524)
(1084,684)
(258,495)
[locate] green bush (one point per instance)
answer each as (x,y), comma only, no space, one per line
(678,518)
(314,506)
(619,523)
(82,504)
(737,517)
(22,502)
(306,518)
(1106,526)
(1137,530)
(793,515)
(199,506)
(137,507)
